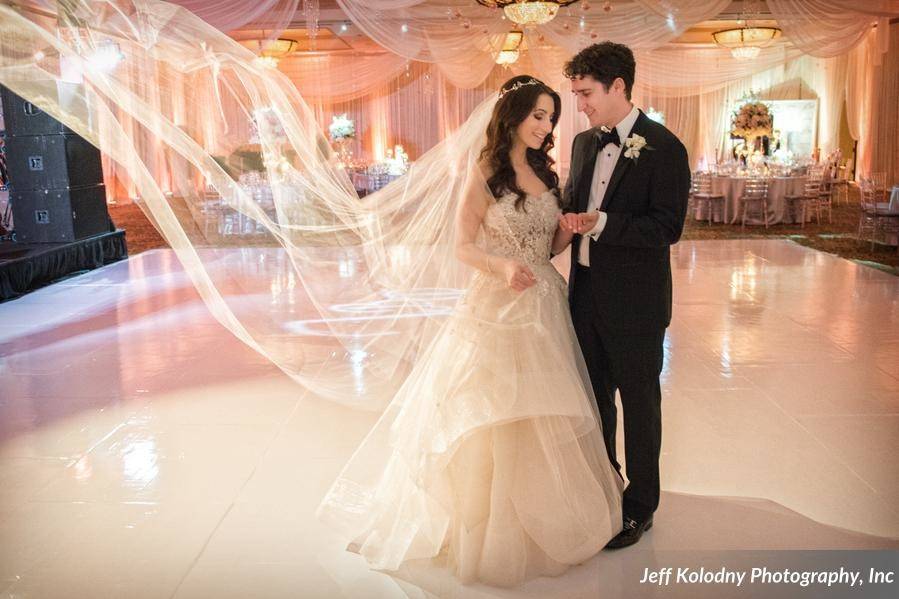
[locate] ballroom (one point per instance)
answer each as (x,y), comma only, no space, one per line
(269,327)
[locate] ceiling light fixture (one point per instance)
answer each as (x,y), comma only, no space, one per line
(511,49)
(746,43)
(527,13)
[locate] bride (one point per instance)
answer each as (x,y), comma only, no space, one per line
(491,453)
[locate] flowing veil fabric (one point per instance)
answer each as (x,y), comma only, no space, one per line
(491,447)
(340,292)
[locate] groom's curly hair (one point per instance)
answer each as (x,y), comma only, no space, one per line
(514,106)
(605,62)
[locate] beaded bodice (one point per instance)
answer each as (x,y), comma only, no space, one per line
(525,233)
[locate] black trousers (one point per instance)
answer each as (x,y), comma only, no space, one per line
(629,362)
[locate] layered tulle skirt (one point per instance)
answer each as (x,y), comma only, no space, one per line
(491,452)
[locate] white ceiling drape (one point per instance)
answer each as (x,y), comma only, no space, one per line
(463,38)
(829,27)
(228,15)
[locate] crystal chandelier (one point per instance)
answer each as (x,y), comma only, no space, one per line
(269,62)
(745,43)
(312,13)
(511,49)
(527,13)
(745,52)
(269,51)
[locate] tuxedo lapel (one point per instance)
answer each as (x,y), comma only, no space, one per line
(585,177)
(624,164)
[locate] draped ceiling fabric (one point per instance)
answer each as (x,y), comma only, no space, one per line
(450,33)
(462,39)
(228,15)
(694,84)
(830,27)
(435,59)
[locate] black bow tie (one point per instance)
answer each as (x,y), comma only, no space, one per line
(609,137)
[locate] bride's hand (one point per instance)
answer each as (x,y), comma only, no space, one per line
(567,224)
(518,276)
(578,223)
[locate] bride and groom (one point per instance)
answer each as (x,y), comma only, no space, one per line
(498,455)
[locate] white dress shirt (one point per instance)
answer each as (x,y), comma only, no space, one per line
(606,160)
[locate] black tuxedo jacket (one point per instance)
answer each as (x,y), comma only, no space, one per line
(646,203)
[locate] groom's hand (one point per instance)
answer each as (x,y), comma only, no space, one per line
(578,223)
(587,220)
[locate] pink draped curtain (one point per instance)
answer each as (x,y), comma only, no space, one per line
(872,105)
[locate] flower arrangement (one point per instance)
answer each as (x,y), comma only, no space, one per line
(655,115)
(341,127)
(753,119)
(397,161)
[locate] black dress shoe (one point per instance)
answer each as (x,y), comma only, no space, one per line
(631,533)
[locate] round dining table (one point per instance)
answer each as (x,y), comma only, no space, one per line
(731,187)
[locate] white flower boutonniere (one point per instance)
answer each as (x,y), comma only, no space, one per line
(633,145)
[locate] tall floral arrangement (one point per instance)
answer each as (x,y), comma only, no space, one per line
(342,130)
(752,120)
(341,127)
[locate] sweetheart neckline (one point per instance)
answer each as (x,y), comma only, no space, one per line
(529,195)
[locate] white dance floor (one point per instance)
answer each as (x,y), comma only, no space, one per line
(146,452)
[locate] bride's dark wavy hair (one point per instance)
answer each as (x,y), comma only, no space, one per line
(510,111)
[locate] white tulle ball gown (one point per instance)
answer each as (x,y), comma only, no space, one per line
(491,454)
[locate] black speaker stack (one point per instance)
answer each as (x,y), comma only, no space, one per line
(55,177)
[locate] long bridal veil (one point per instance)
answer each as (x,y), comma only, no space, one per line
(229,163)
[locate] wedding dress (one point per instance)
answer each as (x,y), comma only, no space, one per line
(491,452)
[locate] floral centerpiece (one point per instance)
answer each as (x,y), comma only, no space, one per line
(752,120)
(341,128)
(397,161)
(655,115)
(341,131)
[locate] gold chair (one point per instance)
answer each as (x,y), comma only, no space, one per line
(755,195)
(825,196)
(701,194)
(875,213)
(802,203)
(840,185)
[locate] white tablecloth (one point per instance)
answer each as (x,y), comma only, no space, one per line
(732,189)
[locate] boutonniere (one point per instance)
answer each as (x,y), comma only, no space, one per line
(633,145)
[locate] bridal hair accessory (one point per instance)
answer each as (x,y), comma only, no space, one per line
(518,85)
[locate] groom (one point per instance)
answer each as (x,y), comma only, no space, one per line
(626,202)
